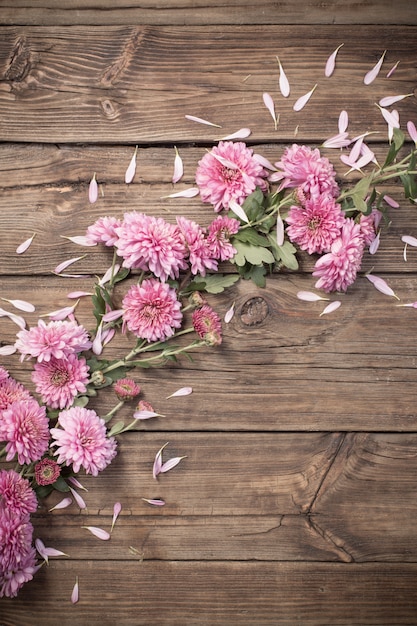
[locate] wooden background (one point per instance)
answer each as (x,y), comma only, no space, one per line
(296,503)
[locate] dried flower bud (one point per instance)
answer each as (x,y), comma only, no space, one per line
(47,471)
(144,406)
(126,389)
(196,299)
(98,378)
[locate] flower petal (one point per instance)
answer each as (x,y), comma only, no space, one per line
(331,307)
(184,391)
(25,245)
(131,168)
(154,501)
(269,103)
(391,202)
(374,245)
(117,507)
(242,133)
(93,190)
(191,192)
(22,305)
(302,101)
(373,73)
(390,117)
(229,314)
(17,319)
(100,533)
(145,415)
(411,241)
(284,85)
(75,592)
(8,350)
(111,316)
(392,70)
(178,167)
(331,62)
(170,464)
(78,294)
(109,274)
(237,210)
(157,464)
(79,500)
(309,296)
(343,121)
(62,504)
(80,240)
(390,100)
(63,266)
(199,120)
(380,284)
(280,230)
(341,140)
(412,131)
(74,481)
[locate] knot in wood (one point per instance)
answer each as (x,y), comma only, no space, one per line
(254,311)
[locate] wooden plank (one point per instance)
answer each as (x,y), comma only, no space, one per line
(70,12)
(202,593)
(115,84)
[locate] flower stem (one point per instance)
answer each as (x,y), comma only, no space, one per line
(114,410)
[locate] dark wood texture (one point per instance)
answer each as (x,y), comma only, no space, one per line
(296,501)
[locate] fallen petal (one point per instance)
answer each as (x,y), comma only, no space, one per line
(17,319)
(229,314)
(109,274)
(264,162)
(331,307)
(131,168)
(25,245)
(8,350)
(40,547)
(178,167)
(62,504)
(63,266)
(284,85)
(341,140)
(97,346)
(380,284)
(343,121)
(157,464)
(412,131)
(243,133)
(75,592)
(199,120)
(309,296)
(154,501)
(61,314)
(74,481)
(280,230)
(22,305)
(93,190)
(411,241)
(331,62)
(374,245)
(100,533)
(116,512)
(145,415)
(392,70)
(80,240)
(301,102)
(391,202)
(79,500)
(191,192)
(390,100)
(78,294)
(237,210)
(390,117)
(184,391)
(111,316)
(373,73)
(170,464)
(269,103)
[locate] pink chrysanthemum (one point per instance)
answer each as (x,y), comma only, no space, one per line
(12,391)
(199,250)
(103,231)
(25,428)
(151,244)
(15,538)
(12,579)
(56,339)
(82,441)
(306,168)
(207,325)
(126,389)
(220,231)
(369,225)
(16,493)
(47,471)
(58,381)
(338,268)
(315,225)
(4,374)
(151,310)
(229,172)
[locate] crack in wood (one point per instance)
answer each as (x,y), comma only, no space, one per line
(19,64)
(113,72)
(341,439)
(341,550)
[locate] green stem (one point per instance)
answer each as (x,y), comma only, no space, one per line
(114,410)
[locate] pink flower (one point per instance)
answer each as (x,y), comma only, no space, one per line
(151,244)
(199,250)
(4,374)
(306,168)
(220,231)
(103,231)
(315,225)
(11,391)
(58,381)
(369,224)
(47,471)
(207,325)
(55,339)
(151,310)
(16,493)
(82,441)
(20,572)
(337,269)
(25,428)
(229,172)
(126,389)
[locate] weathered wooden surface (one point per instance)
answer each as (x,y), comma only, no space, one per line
(295,503)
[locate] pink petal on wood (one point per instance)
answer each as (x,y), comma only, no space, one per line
(63,266)
(411,241)
(269,103)
(8,350)
(72,295)
(331,307)
(183,391)
(242,133)
(302,101)
(389,117)
(144,414)
(178,167)
(343,121)
(79,500)
(380,284)
(117,507)
(229,314)
(154,501)
(75,592)
(412,131)
(331,62)
(374,245)
(170,464)
(191,192)
(25,245)
(391,202)
(131,168)
(100,533)
(390,100)
(22,305)
(392,70)
(284,85)
(309,296)
(199,120)
(93,190)
(62,504)
(80,240)
(341,140)
(373,73)
(157,464)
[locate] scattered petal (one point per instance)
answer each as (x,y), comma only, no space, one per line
(170,464)
(374,245)
(17,319)
(243,133)
(116,512)
(392,70)
(191,192)
(390,100)
(341,140)
(100,533)
(79,500)
(145,414)
(284,85)
(237,210)
(412,304)
(25,245)
(78,294)
(280,230)
(373,73)
(331,62)
(97,346)
(412,131)
(131,168)
(380,284)
(8,350)
(343,121)
(405,253)
(309,296)
(154,501)
(80,240)
(390,117)
(411,241)
(264,162)
(192,118)
(184,391)
(157,464)
(63,266)
(74,481)
(269,103)
(178,167)
(229,314)
(93,190)
(107,335)
(111,316)
(45,552)
(391,202)
(22,305)
(301,102)
(75,592)
(62,504)
(61,314)
(109,274)
(331,307)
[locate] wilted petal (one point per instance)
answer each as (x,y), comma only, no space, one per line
(8,350)
(75,592)
(237,210)
(412,131)
(411,241)
(25,245)
(62,504)
(191,192)
(269,103)
(199,120)
(374,245)
(178,167)
(131,168)
(100,533)
(331,62)
(309,296)
(243,133)
(301,102)
(331,307)
(116,512)
(79,500)
(22,305)
(390,117)
(229,314)
(373,73)
(154,501)
(80,240)
(392,70)
(63,266)
(184,391)
(284,85)
(170,464)
(93,190)
(343,121)
(380,284)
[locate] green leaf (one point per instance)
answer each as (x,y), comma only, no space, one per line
(396,145)
(217,283)
(410,186)
(255,273)
(61,485)
(81,401)
(250,235)
(287,254)
(116,429)
(362,187)
(251,254)
(121,275)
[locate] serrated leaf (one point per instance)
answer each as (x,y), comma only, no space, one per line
(255,273)
(252,254)
(250,235)
(217,283)
(287,254)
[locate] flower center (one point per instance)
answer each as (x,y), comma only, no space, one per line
(229,174)
(60,378)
